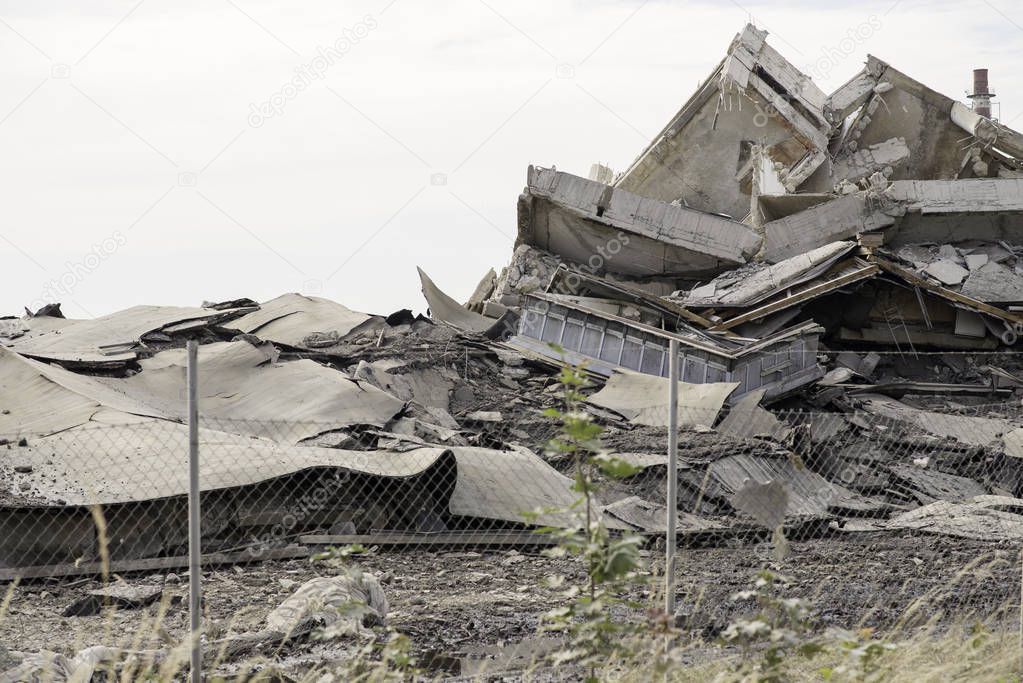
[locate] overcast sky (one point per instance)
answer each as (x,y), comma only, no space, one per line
(158,152)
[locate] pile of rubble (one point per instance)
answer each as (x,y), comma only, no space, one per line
(768,215)
(803,249)
(856,254)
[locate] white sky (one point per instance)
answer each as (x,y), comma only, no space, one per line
(129,122)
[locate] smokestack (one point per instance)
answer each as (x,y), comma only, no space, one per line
(981,94)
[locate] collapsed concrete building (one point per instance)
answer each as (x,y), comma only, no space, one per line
(782,236)
(760,204)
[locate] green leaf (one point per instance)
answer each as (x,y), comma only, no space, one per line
(616,468)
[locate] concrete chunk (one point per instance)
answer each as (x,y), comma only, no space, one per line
(947,272)
(975,261)
(994,283)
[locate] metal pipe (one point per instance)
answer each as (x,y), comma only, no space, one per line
(672,502)
(194,530)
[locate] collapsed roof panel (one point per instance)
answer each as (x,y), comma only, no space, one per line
(702,158)
(32,403)
(109,339)
(756,282)
(613,230)
(291,318)
(85,466)
(942,211)
(838,219)
(241,388)
(110,474)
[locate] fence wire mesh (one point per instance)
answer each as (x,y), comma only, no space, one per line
(881,514)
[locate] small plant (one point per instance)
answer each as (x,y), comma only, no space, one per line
(862,655)
(612,560)
(778,630)
(781,630)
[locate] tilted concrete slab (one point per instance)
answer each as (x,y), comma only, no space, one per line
(942,211)
(841,218)
(613,230)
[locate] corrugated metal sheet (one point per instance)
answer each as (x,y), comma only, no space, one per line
(241,389)
(809,494)
(110,338)
(643,399)
(149,460)
(290,318)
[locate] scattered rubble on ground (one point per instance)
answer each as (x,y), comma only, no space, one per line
(843,274)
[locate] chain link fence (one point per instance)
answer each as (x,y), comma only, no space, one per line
(881,514)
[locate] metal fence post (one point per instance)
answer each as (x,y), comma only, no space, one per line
(672,502)
(194,530)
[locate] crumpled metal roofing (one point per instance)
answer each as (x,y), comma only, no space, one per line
(149,460)
(290,318)
(240,390)
(109,338)
(809,494)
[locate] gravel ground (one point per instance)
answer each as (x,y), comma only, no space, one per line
(462,603)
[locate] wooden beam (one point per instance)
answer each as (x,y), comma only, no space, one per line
(797,298)
(955,297)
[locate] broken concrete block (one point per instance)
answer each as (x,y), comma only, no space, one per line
(121,595)
(994,283)
(947,251)
(975,261)
(484,290)
(947,272)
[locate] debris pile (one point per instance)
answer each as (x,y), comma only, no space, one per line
(858,255)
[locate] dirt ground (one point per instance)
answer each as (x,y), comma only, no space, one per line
(465,604)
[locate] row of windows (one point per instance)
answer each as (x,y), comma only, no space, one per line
(620,344)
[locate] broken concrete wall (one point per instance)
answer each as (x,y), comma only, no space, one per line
(911,132)
(702,158)
(838,219)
